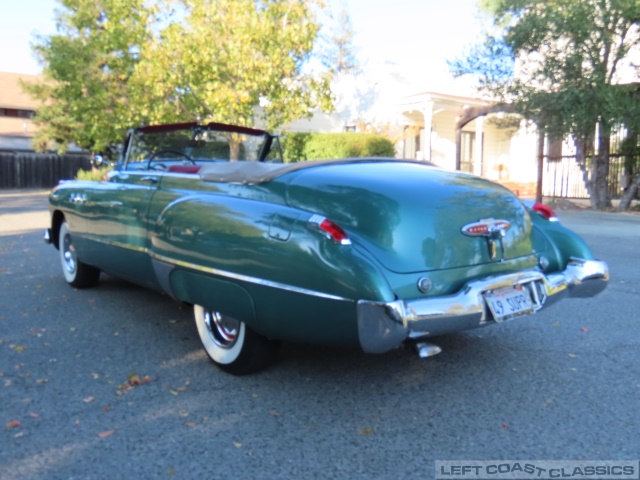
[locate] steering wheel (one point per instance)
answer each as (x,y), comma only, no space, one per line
(162,151)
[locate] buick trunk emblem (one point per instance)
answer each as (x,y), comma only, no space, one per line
(493,230)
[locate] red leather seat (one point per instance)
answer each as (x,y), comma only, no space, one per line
(184,168)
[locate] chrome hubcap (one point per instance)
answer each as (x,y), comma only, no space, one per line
(69,254)
(222,329)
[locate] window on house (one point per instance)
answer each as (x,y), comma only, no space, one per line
(411,143)
(467,146)
(16,113)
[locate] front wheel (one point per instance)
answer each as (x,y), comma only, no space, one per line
(76,273)
(230,344)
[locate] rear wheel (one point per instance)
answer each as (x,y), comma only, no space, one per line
(231,345)
(76,273)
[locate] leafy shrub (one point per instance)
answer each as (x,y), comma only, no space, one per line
(95,174)
(317,146)
(293,146)
(349,144)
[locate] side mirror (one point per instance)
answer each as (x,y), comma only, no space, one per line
(99,161)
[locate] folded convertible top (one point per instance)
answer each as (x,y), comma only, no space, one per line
(251,173)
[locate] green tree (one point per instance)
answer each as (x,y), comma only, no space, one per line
(568,66)
(118,63)
(225,58)
(88,64)
(338,52)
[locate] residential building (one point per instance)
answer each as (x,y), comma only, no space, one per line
(16,112)
(507,154)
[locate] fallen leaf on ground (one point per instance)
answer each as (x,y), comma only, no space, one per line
(133,381)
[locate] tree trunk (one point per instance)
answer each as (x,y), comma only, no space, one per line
(600,195)
(581,160)
(234,149)
(629,195)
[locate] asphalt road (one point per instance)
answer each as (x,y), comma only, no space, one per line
(563,384)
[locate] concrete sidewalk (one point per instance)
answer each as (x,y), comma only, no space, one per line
(23,210)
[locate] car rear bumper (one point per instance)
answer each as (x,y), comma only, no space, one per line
(384,326)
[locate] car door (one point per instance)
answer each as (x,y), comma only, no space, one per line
(118,223)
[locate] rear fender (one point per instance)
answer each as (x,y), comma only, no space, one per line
(557,243)
(247,241)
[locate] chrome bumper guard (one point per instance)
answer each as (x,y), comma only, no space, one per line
(384,326)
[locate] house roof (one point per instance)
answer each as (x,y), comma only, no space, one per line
(11,93)
(444,99)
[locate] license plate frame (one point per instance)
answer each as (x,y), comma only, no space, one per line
(509,302)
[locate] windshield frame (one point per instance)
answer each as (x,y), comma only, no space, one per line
(269,145)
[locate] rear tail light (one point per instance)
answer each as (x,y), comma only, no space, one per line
(330,229)
(545,211)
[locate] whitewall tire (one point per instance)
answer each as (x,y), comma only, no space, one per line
(230,344)
(76,273)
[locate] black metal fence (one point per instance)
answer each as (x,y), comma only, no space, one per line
(563,178)
(39,170)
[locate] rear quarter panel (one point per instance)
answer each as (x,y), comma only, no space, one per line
(281,277)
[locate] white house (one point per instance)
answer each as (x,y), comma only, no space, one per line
(506,155)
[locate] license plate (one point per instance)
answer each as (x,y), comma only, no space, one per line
(509,302)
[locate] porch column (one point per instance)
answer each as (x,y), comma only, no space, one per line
(427,111)
(477,151)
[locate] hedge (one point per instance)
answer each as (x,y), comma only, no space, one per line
(318,146)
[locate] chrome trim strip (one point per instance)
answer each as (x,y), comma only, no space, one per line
(114,243)
(384,326)
(222,273)
(247,278)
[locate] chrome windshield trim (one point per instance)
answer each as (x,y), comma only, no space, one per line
(247,278)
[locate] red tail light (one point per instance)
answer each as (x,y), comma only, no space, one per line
(330,229)
(545,211)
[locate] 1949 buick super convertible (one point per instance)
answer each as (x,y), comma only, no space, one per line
(368,253)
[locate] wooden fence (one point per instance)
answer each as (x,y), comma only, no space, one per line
(39,170)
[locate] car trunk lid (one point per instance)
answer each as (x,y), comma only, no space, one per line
(413,217)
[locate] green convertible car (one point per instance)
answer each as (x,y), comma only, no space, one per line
(369,252)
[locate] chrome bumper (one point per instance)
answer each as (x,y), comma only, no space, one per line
(384,326)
